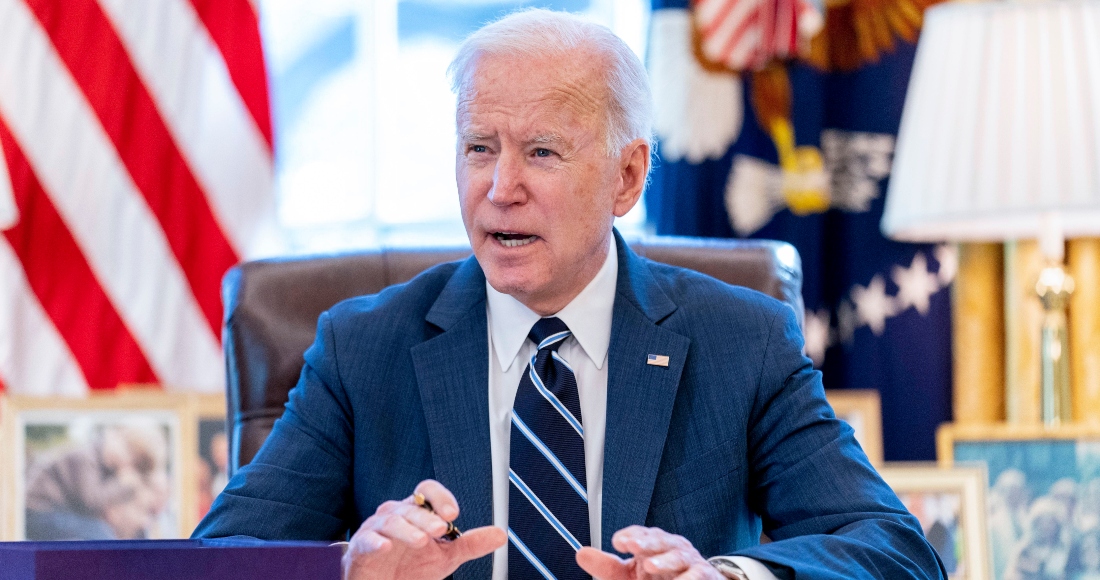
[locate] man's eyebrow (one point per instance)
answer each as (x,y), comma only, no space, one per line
(546,138)
(468,136)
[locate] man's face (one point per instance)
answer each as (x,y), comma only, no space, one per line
(538,191)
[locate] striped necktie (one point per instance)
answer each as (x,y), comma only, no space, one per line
(548,497)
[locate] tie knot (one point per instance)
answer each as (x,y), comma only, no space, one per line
(549,333)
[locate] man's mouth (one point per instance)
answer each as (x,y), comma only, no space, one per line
(513,240)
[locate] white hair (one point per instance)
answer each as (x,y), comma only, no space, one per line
(544,34)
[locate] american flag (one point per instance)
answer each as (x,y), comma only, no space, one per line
(137,157)
(747,34)
(878,312)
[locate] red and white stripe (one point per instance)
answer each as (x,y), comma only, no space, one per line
(137,142)
(747,34)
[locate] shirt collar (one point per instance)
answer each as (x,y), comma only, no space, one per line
(588,316)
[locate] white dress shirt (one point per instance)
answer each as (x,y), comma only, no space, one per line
(588,316)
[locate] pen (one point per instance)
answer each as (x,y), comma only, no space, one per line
(452,532)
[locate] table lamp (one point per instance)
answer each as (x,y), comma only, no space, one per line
(1000,140)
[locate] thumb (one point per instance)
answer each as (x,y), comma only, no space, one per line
(603,565)
(477,542)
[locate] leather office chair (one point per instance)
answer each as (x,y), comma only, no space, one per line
(271,309)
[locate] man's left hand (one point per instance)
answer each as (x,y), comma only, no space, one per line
(656,554)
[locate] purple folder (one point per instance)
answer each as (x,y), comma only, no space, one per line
(169,560)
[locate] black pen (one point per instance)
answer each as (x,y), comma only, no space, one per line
(452,532)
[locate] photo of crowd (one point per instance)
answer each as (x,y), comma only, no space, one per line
(1043,507)
(99,476)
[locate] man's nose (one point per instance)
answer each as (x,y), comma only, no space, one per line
(508,181)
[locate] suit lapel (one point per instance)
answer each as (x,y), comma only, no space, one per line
(452,372)
(639,396)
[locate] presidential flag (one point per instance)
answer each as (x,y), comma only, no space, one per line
(799,148)
(136,168)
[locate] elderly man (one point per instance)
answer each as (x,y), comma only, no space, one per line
(588,411)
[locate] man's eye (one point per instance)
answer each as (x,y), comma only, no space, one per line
(540,152)
(478,149)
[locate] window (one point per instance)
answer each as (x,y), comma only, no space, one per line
(364,115)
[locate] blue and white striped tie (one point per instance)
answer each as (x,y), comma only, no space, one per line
(548,497)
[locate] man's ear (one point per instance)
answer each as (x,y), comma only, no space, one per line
(633,171)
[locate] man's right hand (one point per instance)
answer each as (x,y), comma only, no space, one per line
(401,540)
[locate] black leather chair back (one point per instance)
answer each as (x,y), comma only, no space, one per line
(271,309)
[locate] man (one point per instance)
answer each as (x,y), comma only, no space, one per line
(559,387)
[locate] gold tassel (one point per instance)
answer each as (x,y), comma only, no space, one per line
(804,181)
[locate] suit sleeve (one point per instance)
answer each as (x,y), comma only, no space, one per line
(298,485)
(827,511)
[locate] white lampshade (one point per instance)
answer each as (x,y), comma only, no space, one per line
(1001,124)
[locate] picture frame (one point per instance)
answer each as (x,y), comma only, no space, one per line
(102,467)
(862,409)
(950,504)
(1043,499)
(6,467)
(207,450)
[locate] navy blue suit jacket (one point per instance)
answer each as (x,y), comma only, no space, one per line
(733,437)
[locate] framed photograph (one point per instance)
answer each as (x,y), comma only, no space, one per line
(207,451)
(862,409)
(6,467)
(1043,505)
(104,467)
(950,504)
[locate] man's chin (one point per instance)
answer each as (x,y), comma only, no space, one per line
(515,286)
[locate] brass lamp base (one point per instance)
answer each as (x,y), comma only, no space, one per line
(1054,289)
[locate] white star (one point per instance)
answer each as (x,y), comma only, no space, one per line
(817,336)
(948,257)
(915,284)
(873,306)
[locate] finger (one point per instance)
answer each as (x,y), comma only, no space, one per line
(443,501)
(398,529)
(670,562)
(389,507)
(629,539)
(642,541)
(476,543)
(366,542)
(429,522)
(603,565)
(699,572)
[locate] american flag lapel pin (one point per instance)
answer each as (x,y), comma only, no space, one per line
(657,360)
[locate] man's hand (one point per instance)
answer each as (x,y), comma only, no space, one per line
(657,554)
(401,540)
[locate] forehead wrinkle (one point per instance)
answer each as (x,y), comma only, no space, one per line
(577,97)
(577,89)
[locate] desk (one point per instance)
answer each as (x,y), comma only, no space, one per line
(169,560)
